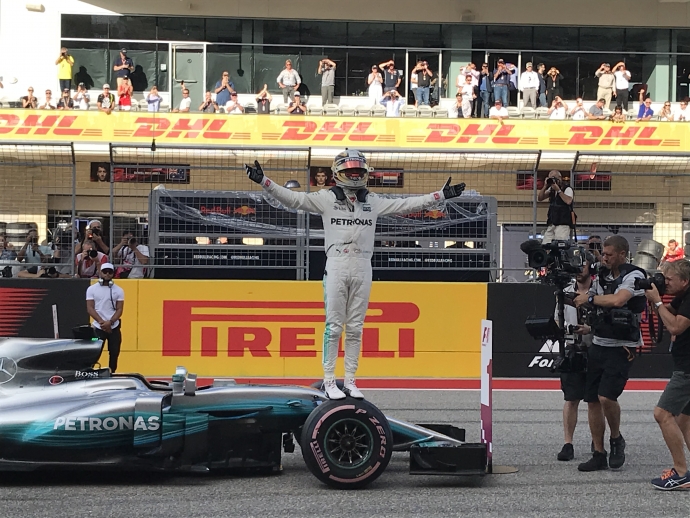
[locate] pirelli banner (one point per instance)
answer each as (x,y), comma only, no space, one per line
(267,130)
(275,329)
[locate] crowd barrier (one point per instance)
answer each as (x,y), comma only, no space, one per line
(273,329)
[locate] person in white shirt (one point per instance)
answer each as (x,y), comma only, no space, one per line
(455,110)
(529,86)
(578,113)
(185,103)
(468,97)
(682,113)
(233,106)
(105,303)
(132,257)
(470,71)
(622,85)
(393,102)
(558,109)
(498,111)
(81,97)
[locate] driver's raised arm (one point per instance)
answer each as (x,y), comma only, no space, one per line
(416,203)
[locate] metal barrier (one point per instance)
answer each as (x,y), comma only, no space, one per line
(30,175)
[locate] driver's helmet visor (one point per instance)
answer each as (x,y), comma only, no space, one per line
(355,173)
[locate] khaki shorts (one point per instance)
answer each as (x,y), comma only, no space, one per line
(556,233)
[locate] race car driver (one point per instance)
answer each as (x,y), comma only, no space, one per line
(349,213)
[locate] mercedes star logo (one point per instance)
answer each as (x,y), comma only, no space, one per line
(8,369)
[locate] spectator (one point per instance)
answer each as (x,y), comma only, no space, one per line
(297,107)
(665,114)
(29,101)
(106,100)
(553,85)
(485,89)
(470,70)
(288,81)
(413,82)
(89,261)
(81,97)
(596,112)
(501,82)
(224,88)
(682,114)
(542,85)
(32,252)
(622,84)
(327,72)
(132,257)
(498,111)
(185,103)
(153,100)
(263,101)
(607,82)
(645,112)
(673,253)
(456,109)
(529,86)
(49,103)
(393,102)
(209,105)
(560,197)
(558,109)
(65,62)
(578,112)
(375,82)
(7,252)
(424,76)
(233,106)
(618,115)
(39,272)
(105,304)
(65,102)
(391,77)
(468,97)
(124,66)
(94,233)
(124,93)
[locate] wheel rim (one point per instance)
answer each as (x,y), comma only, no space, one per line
(348,443)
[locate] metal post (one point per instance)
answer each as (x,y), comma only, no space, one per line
(112,204)
(74,208)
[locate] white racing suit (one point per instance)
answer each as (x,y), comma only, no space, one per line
(349,228)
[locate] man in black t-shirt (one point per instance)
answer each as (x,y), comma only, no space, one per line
(391,76)
(673,409)
(263,102)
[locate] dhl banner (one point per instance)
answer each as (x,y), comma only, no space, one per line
(275,328)
(274,130)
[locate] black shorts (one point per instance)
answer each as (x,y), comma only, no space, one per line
(573,385)
(607,372)
(676,396)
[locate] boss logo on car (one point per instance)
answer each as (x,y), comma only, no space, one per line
(86,374)
(108,424)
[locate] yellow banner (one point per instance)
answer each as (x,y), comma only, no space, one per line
(275,328)
(365,132)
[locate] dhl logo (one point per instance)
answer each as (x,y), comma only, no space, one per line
(474,133)
(613,136)
(39,125)
(247,336)
(333,131)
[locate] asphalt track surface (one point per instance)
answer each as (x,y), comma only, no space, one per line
(527,431)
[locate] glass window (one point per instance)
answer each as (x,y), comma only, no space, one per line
(418,35)
(556,38)
(359,63)
(508,37)
(566,64)
(146,58)
(181,29)
(588,65)
(223,30)
(269,62)
(133,27)
(479,37)
(236,60)
(284,32)
(370,35)
(322,33)
(682,37)
(84,26)
(601,38)
(645,40)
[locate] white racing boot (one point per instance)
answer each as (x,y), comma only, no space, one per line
(332,391)
(351,388)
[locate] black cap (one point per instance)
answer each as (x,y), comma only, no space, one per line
(124,51)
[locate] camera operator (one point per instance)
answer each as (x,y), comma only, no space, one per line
(94,232)
(132,257)
(560,196)
(672,412)
(573,382)
(616,329)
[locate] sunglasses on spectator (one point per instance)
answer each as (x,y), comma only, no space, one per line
(648,102)
(666,105)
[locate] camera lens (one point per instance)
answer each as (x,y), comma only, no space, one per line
(93,254)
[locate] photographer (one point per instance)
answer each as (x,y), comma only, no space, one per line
(573,383)
(327,72)
(559,219)
(31,252)
(672,412)
(89,261)
(65,62)
(38,272)
(132,257)
(616,327)
(94,232)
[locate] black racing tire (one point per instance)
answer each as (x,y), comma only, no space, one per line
(346,443)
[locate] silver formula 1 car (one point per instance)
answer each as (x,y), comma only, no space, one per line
(58,411)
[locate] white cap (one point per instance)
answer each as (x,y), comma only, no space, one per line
(107,266)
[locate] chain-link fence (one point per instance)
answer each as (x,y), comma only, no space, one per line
(35,178)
